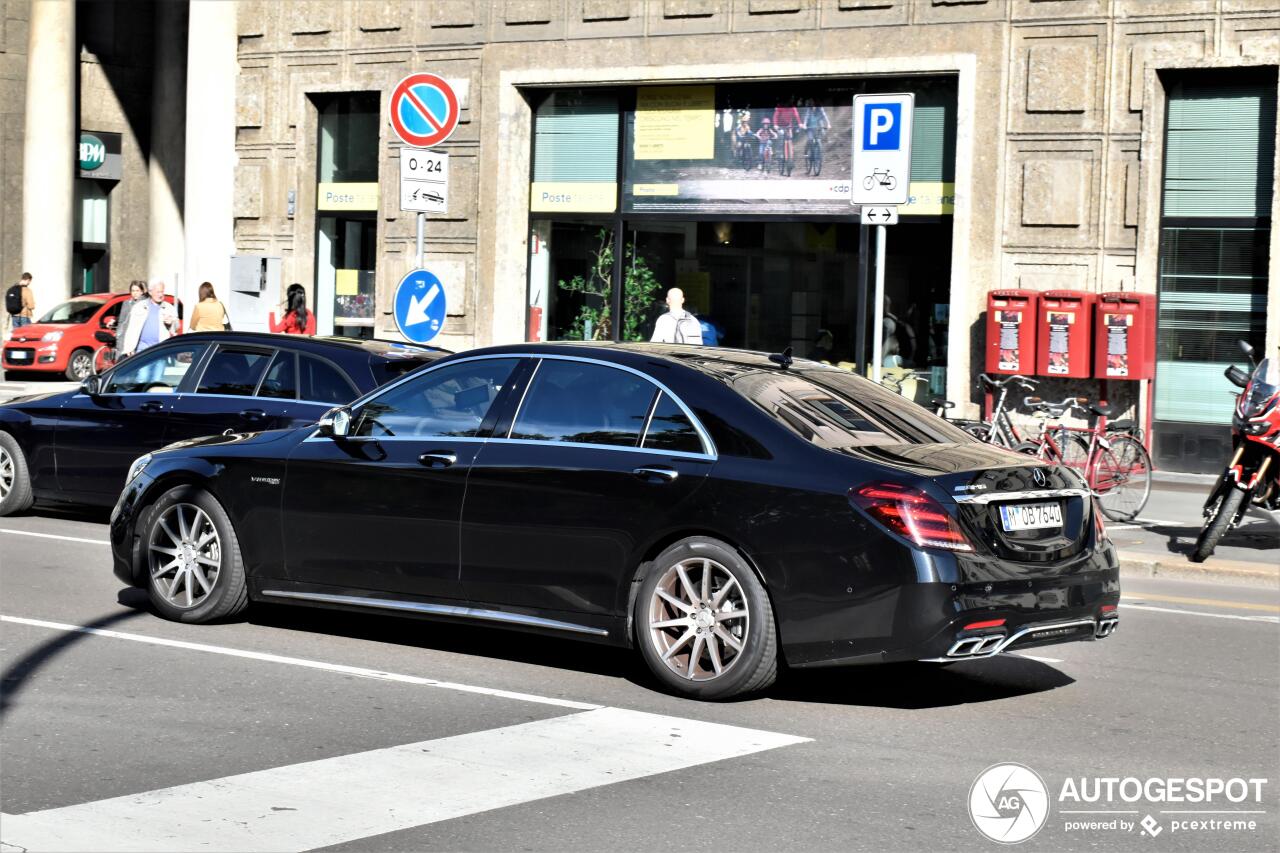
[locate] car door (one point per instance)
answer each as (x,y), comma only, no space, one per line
(223,397)
(99,436)
(598,460)
(378,511)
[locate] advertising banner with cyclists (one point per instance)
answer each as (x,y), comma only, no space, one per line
(776,147)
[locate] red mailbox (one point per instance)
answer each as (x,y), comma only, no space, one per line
(1011,331)
(1125,328)
(1065,321)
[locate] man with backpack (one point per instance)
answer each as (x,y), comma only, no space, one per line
(677,326)
(20,302)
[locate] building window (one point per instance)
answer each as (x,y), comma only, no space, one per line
(346,218)
(1214,237)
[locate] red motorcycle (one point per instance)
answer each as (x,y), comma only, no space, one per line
(1253,474)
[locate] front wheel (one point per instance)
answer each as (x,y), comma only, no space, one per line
(1217,525)
(80,365)
(192,558)
(15,481)
(704,622)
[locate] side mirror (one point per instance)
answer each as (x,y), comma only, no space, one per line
(1247,349)
(336,423)
(92,385)
(1236,376)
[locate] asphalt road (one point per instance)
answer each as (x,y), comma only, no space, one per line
(299,729)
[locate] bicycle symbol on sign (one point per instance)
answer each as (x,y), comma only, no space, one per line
(881,177)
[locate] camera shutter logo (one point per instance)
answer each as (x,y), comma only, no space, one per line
(1008,803)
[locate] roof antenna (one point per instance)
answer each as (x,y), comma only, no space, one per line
(783,359)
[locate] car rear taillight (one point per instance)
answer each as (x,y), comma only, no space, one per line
(911,513)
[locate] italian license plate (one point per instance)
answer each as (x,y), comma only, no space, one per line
(1031,516)
(19,355)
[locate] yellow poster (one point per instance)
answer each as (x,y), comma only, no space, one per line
(675,123)
(348,283)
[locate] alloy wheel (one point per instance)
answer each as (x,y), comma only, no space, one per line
(7,473)
(185,555)
(81,365)
(698,619)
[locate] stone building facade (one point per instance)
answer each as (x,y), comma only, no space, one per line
(1058,131)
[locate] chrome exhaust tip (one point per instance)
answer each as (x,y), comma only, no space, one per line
(1106,627)
(971,647)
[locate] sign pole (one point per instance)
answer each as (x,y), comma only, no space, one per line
(860,339)
(422,227)
(877,331)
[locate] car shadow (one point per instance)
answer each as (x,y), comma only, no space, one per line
(20,673)
(68,512)
(914,687)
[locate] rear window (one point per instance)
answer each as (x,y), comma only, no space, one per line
(835,408)
(234,372)
(324,383)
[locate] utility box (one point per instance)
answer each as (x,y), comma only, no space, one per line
(1011,331)
(253,293)
(1125,332)
(1065,334)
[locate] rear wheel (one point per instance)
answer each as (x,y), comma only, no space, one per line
(704,622)
(15,481)
(80,365)
(1217,524)
(192,558)
(1121,477)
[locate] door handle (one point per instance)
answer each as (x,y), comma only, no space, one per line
(438,458)
(657,475)
(253,414)
(151,406)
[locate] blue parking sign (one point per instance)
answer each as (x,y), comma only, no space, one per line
(881,126)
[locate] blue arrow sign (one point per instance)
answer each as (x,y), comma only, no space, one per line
(420,306)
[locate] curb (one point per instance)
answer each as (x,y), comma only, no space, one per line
(1135,565)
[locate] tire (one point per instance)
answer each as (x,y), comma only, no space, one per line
(1031,448)
(80,365)
(178,552)
(15,479)
(1217,525)
(684,654)
(1127,464)
(104,358)
(982,432)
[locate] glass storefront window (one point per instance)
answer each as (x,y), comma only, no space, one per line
(571,281)
(345,270)
(348,150)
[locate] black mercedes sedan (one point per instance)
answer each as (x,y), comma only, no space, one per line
(720,511)
(76,446)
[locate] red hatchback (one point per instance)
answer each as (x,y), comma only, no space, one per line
(62,341)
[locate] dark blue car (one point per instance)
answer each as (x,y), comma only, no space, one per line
(76,446)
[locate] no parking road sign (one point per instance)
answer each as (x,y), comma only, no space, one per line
(424,110)
(420,306)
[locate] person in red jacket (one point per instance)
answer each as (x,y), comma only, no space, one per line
(786,120)
(297,319)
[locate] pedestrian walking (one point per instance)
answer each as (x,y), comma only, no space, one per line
(677,326)
(151,321)
(209,315)
(297,319)
(137,293)
(20,302)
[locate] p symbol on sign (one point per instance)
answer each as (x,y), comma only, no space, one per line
(881,127)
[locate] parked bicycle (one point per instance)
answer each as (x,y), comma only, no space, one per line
(105,356)
(1110,456)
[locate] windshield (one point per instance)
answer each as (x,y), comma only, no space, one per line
(834,408)
(1263,384)
(73,311)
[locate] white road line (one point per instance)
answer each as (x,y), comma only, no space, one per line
(359,671)
(55,536)
(1274,620)
(1036,657)
(343,799)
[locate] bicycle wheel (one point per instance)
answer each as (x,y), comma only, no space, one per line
(982,432)
(104,359)
(1121,478)
(1075,453)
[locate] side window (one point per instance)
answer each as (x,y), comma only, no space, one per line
(233,371)
(585,403)
(324,383)
(450,401)
(671,429)
(157,370)
(281,381)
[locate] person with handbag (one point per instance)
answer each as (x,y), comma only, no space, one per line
(209,315)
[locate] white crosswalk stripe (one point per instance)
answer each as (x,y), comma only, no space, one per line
(343,799)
